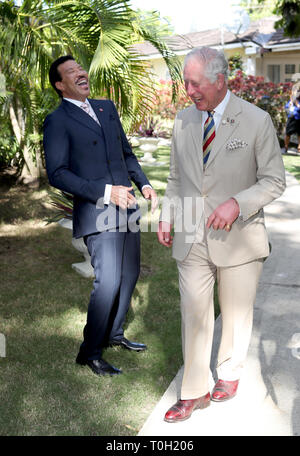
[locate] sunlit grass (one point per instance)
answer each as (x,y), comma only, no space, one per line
(43,304)
(292,164)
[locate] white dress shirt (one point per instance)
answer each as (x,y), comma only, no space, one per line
(218,112)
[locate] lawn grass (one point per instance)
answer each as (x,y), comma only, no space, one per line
(292,164)
(43,304)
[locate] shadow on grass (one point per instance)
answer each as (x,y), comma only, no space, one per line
(43,307)
(18,203)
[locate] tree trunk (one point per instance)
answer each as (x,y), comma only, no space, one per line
(30,173)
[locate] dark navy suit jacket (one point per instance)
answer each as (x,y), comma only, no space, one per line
(82,157)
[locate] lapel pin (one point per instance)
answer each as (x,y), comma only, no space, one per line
(100,109)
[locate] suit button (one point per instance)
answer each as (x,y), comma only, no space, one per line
(94,142)
(108,162)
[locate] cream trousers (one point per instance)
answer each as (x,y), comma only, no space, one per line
(237,291)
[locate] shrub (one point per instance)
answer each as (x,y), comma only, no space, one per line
(163,105)
(267,95)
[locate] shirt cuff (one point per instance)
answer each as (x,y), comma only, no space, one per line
(107,194)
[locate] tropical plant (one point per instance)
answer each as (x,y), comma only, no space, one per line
(164,105)
(289,13)
(99,33)
(267,95)
(116,69)
(152,128)
(25,54)
(258,8)
(63,203)
(235,63)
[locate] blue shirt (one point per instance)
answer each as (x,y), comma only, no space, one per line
(292,110)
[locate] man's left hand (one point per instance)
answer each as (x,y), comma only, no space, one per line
(224,215)
(150,194)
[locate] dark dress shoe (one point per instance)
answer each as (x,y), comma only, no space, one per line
(98,366)
(128,344)
(183,409)
(224,390)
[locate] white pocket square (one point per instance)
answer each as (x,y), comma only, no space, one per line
(236,144)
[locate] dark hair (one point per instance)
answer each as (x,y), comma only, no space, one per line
(54,75)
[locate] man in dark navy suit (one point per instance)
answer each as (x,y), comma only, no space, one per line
(88,155)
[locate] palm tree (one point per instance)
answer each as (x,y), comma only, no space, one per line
(25,45)
(104,33)
(100,34)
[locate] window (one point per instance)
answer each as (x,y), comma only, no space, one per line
(273,72)
(290,68)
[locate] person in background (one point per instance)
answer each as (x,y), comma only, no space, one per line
(292,109)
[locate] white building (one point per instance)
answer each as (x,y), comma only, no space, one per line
(265,51)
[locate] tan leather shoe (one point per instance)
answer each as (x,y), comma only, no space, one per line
(183,409)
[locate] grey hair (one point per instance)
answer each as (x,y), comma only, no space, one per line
(215,62)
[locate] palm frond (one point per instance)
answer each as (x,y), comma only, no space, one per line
(63,202)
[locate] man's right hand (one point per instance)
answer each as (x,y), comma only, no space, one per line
(121,196)
(164,234)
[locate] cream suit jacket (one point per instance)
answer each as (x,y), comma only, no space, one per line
(245,163)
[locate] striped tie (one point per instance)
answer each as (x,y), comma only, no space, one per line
(86,107)
(209,135)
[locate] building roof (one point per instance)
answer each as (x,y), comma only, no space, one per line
(261,32)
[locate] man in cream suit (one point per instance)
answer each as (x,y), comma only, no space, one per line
(217,188)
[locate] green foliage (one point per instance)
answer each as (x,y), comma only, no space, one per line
(266,95)
(153,20)
(63,203)
(164,106)
(289,10)
(235,63)
(152,128)
(9,149)
(258,8)
(100,34)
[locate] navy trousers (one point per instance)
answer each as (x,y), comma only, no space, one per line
(115,257)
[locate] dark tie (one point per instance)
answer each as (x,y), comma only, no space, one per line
(209,135)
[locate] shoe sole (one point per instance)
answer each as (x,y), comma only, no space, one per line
(128,348)
(201,407)
(102,374)
(223,400)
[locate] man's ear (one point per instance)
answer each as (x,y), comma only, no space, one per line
(220,81)
(59,85)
